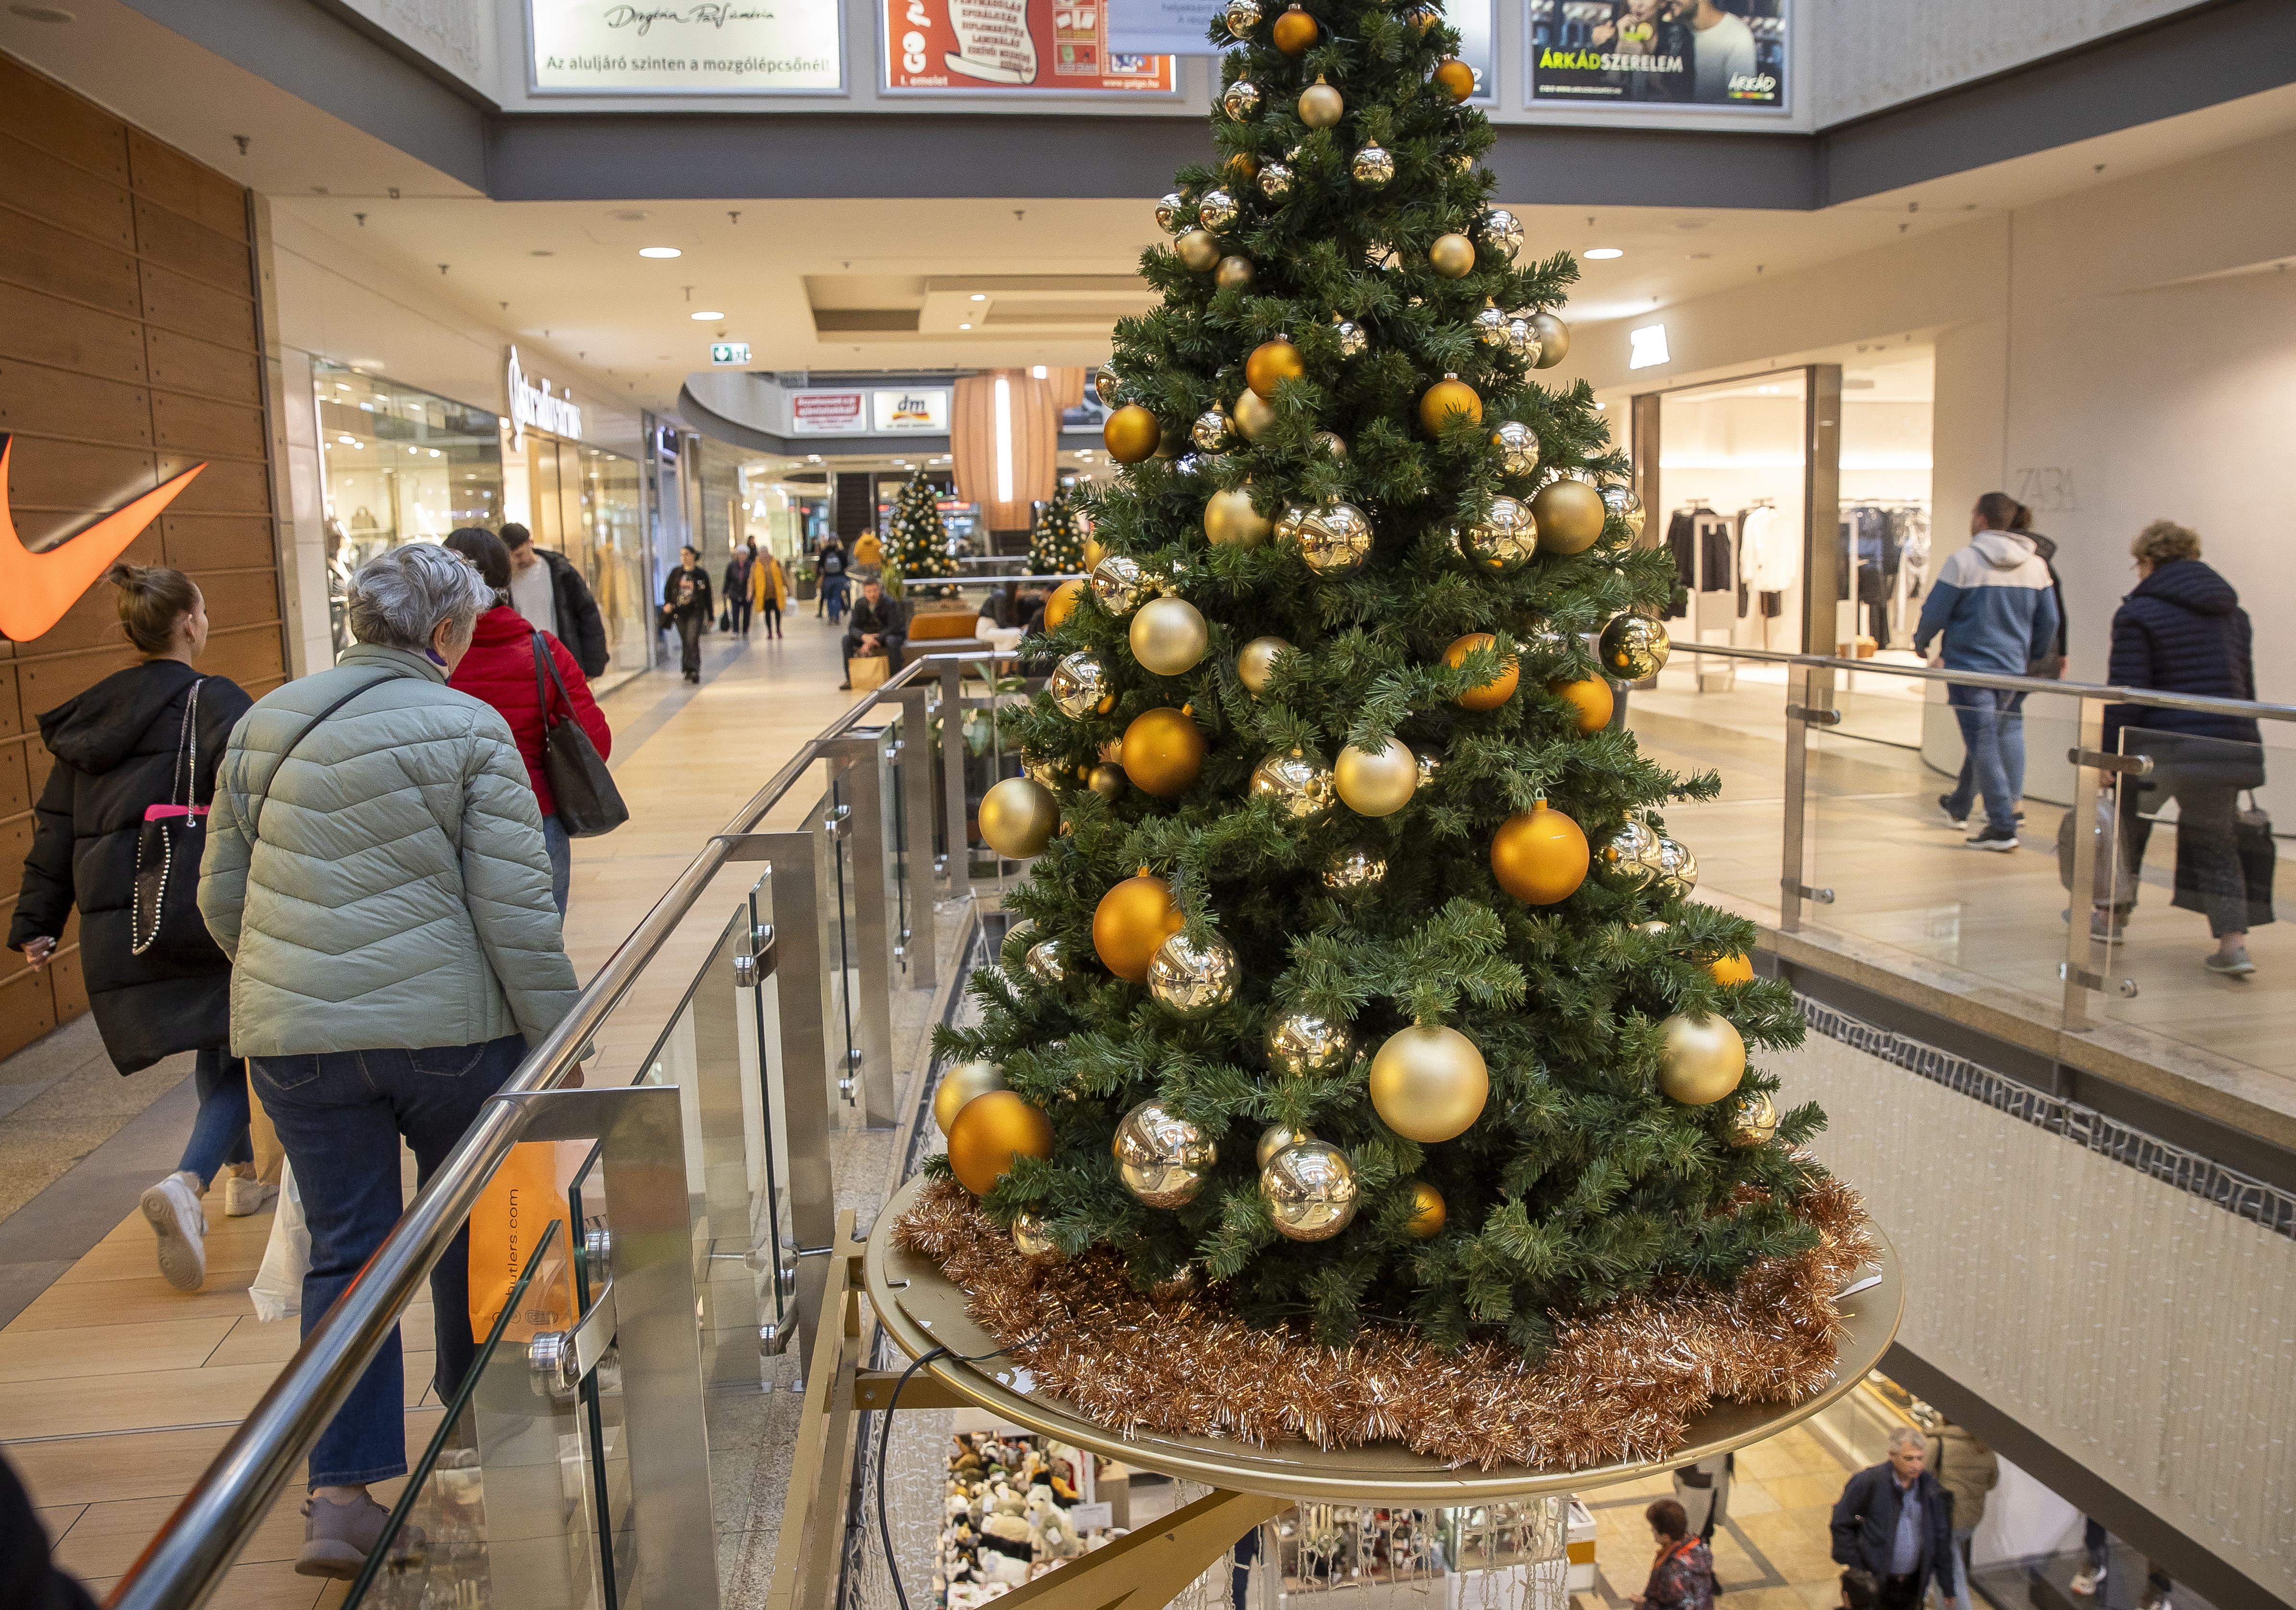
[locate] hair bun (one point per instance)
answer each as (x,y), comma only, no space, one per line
(124,575)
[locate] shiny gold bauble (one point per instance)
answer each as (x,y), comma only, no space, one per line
(1456,77)
(1426,1220)
(1163,753)
(1047,964)
(1230,518)
(1161,1158)
(1255,663)
(1676,868)
(1518,447)
(1452,255)
(1321,105)
(1373,168)
(1592,698)
(1311,1189)
(1216,210)
(1554,339)
(1172,215)
(1078,683)
(1625,852)
(1242,167)
(1503,230)
(1018,818)
(1376,782)
(1198,250)
(1239,99)
(1252,414)
(1168,636)
(1270,362)
(1335,538)
(1131,434)
(1736,967)
(1539,855)
(1490,326)
(1243,16)
(1703,1059)
(1429,1083)
(1505,539)
(1119,583)
(1062,604)
(1104,382)
(960,1085)
(1294,32)
(1569,515)
(1358,870)
(1107,780)
(1627,508)
(1350,337)
(1753,1120)
(1234,273)
(1422,19)
(1332,443)
(1300,1043)
(1483,695)
(1193,980)
(990,1131)
(1299,783)
(1275,181)
(1213,431)
(1653,926)
(1032,1240)
(1635,648)
(1275,1137)
(1131,920)
(1446,397)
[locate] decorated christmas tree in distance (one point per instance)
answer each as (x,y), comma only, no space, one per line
(1361,993)
(1056,541)
(917,546)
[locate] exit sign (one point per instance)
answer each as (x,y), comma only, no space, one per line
(729,352)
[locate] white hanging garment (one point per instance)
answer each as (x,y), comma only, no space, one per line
(1769,551)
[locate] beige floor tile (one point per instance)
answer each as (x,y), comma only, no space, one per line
(270,1585)
(108,1537)
(104,1469)
(133,1402)
(101,1350)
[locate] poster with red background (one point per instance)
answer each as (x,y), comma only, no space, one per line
(1020,46)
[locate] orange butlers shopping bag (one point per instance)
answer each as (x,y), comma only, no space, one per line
(524,1199)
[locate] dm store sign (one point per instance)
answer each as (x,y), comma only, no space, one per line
(704,47)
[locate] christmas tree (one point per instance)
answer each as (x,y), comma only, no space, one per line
(1365,987)
(917,546)
(1056,541)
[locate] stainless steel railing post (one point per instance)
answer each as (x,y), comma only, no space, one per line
(2078,974)
(954,820)
(920,952)
(867,788)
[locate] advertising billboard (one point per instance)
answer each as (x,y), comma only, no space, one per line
(1014,47)
(1183,27)
(604,47)
(1671,53)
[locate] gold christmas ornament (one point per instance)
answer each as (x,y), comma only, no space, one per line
(1243,16)
(1233,273)
(1108,780)
(1543,641)
(1426,1220)
(1676,868)
(1171,217)
(1592,697)
(1373,168)
(1078,683)
(1539,855)
(1104,382)
(1505,539)
(1255,663)
(1701,1061)
(1168,636)
(1429,1083)
(1216,210)
(1046,772)
(1569,515)
(1376,782)
(1062,604)
(1163,753)
(1321,105)
(1503,230)
(1753,1120)
(1275,181)
(1032,1240)
(1211,431)
(1311,1189)
(1554,339)
(1093,553)
(1522,340)
(1130,921)
(1335,538)
(1626,508)
(1518,447)
(1131,434)
(1456,77)
(1358,870)
(1350,336)
(1299,1043)
(1275,1137)
(1653,927)
(1736,967)
(990,1131)
(1331,442)
(1193,980)
(1483,695)
(1197,249)
(1288,523)
(1229,517)
(1626,852)
(1046,962)
(1452,255)
(1635,648)
(1161,1158)
(960,1085)
(1299,783)
(1428,766)
(1422,19)
(1295,32)
(1118,582)
(1446,397)
(1239,99)
(1018,818)
(1491,326)
(1253,414)
(1270,362)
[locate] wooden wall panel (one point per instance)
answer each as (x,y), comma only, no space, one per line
(45,115)
(162,173)
(49,329)
(50,189)
(225,487)
(248,658)
(192,249)
(184,303)
(12,721)
(36,400)
(43,257)
(215,542)
(27,1005)
(181,363)
(198,425)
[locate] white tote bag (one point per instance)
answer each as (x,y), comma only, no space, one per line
(277,1290)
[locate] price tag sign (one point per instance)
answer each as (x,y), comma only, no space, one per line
(729,352)
(1084,1517)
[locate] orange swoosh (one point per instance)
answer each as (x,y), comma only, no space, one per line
(36,589)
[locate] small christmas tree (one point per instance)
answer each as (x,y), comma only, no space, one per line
(1056,541)
(917,546)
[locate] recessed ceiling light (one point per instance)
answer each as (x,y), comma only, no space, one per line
(659,251)
(541,254)
(699,317)
(979,297)
(964,326)
(1604,252)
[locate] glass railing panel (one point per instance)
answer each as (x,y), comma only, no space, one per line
(769,1221)
(1733,726)
(600,1423)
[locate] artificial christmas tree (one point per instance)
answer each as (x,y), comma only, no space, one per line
(1365,998)
(917,544)
(1056,542)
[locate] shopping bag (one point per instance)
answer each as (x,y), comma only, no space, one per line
(2113,882)
(2259,860)
(524,1199)
(277,1289)
(869,671)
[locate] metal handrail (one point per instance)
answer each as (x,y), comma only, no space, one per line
(180,1565)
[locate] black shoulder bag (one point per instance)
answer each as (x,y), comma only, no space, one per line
(587,802)
(173,822)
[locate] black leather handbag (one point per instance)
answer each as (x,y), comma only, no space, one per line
(171,832)
(588,804)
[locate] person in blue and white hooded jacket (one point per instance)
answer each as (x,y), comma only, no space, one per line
(1997,608)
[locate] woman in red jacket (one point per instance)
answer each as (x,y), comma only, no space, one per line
(500,670)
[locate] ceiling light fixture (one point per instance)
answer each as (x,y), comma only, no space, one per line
(1601,253)
(659,251)
(979,296)
(964,326)
(700,317)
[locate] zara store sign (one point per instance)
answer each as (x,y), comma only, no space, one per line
(532,402)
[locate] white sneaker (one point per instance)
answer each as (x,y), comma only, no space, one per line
(244,1194)
(2087,1577)
(173,1208)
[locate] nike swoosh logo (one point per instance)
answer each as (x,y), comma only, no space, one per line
(36,589)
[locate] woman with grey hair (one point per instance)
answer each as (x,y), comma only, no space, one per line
(375,870)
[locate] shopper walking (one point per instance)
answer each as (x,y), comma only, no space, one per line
(769,591)
(1702,1489)
(2096,1544)
(546,589)
(833,578)
(1682,1575)
(738,602)
(880,626)
(686,604)
(372,816)
(1993,602)
(1968,1470)
(2051,665)
(117,833)
(1895,1521)
(504,669)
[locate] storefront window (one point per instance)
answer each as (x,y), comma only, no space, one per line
(585,505)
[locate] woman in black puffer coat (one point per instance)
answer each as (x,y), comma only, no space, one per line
(144,737)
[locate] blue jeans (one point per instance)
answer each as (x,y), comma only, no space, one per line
(1993,734)
(340,1115)
(220,1134)
(561,850)
(833,597)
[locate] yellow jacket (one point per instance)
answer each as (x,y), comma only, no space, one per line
(768,584)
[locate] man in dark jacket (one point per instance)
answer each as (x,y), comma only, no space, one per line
(546,589)
(1895,1521)
(877,626)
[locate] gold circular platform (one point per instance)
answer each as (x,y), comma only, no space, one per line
(923,1309)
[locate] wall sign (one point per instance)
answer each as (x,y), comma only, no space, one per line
(1661,54)
(531,403)
(1013,46)
(827,413)
(684,47)
(36,590)
(905,411)
(729,352)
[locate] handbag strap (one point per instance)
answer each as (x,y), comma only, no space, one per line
(544,659)
(255,825)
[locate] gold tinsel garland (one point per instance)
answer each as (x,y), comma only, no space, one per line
(1621,1383)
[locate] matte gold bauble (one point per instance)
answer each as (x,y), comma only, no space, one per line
(1163,753)
(1635,648)
(1255,663)
(1592,698)
(960,1085)
(1539,855)
(1032,1240)
(1753,1120)
(1092,552)
(1078,683)
(1518,447)
(1193,980)
(1422,19)
(1426,1220)
(1294,32)
(1483,695)
(1252,414)
(1131,920)
(1018,818)
(1108,780)
(1270,362)
(1062,604)
(1321,105)
(1229,517)
(992,1130)
(1335,538)
(1168,636)
(1376,782)
(1703,1059)
(1456,77)
(1311,1189)
(1452,255)
(1554,339)
(1299,783)
(1198,250)
(1161,1158)
(1131,434)
(1332,443)
(1446,397)
(1569,515)
(1235,273)
(1736,967)
(1299,1043)
(1275,1137)
(1429,1083)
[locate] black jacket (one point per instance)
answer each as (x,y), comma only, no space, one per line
(2183,631)
(701,604)
(581,627)
(114,749)
(888,619)
(1866,1525)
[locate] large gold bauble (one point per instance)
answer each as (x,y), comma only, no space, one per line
(1626,852)
(1294,32)
(1569,515)
(1483,695)
(1198,250)
(1635,648)
(1676,868)
(1335,538)
(1505,539)
(1299,783)
(1161,1158)
(1018,818)
(990,1131)
(1252,414)
(1518,446)
(1235,271)
(960,1085)
(1310,1188)
(1275,1137)
(1131,434)
(1452,255)
(1229,517)
(1376,782)
(1321,105)
(1625,507)
(1554,339)
(1118,582)
(1753,1120)
(1360,869)
(1299,1043)
(1456,77)
(1092,552)
(1429,1083)
(1047,963)
(1427,1214)
(1032,1240)
(1168,636)
(1736,967)
(1107,779)
(1703,1059)
(1193,980)
(1163,753)
(1539,855)
(1446,397)
(1131,920)
(1078,683)
(1062,604)
(1255,663)
(1270,362)
(1592,698)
